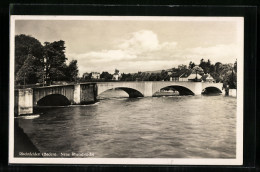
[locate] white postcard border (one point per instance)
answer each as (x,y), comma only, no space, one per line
(138,161)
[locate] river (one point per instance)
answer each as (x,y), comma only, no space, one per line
(150,127)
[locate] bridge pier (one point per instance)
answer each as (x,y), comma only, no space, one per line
(148,89)
(88,93)
(23,101)
(76,97)
(197,88)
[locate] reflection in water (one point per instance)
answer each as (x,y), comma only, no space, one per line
(152,127)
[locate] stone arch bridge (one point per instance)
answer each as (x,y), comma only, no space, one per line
(26,99)
(148,88)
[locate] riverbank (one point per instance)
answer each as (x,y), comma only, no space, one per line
(22,143)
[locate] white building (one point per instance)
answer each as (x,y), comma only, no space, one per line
(95,75)
(116,75)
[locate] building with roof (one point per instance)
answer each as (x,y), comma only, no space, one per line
(207,78)
(85,75)
(92,75)
(184,76)
(190,75)
(194,77)
(95,75)
(177,74)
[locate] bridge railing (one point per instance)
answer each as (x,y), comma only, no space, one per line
(28,86)
(88,82)
(38,86)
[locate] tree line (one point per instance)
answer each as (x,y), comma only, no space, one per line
(37,63)
(224,73)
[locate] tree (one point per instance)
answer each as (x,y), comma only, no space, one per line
(197,70)
(212,69)
(26,74)
(230,75)
(72,71)
(230,78)
(54,58)
(206,66)
(235,66)
(34,62)
(191,65)
(216,72)
(218,67)
(202,63)
(153,77)
(28,59)
(145,76)
(180,67)
(123,78)
(164,75)
(106,76)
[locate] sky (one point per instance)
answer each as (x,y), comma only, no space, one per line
(133,44)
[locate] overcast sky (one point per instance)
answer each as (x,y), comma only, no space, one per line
(140,45)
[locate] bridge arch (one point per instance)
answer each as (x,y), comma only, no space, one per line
(53,100)
(130,91)
(212,87)
(66,91)
(181,89)
(211,90)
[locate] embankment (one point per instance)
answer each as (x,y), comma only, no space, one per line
(23,144)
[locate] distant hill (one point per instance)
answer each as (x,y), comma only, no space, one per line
(156,71)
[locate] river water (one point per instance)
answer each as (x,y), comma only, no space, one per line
(150,127)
